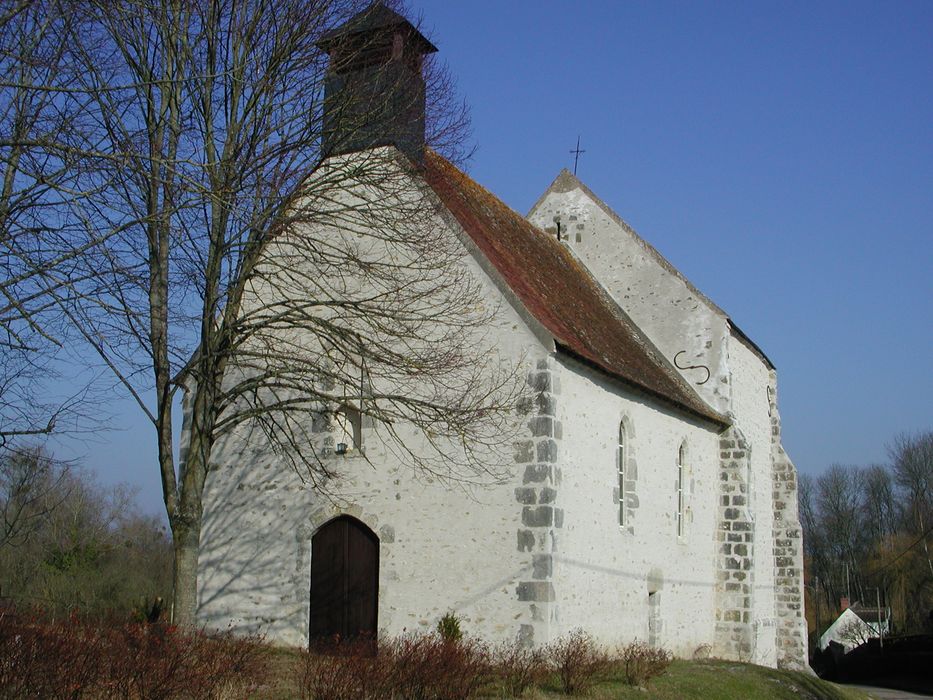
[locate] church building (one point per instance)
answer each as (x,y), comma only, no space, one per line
(646,493)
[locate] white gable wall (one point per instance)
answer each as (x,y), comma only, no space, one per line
(758,560)
(658,300)
(443,547)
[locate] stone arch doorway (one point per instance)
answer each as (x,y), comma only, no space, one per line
(344,580)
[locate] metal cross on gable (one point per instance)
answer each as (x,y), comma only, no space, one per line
(576,156)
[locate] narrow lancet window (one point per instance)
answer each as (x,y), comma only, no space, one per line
(681,460)
(620,465)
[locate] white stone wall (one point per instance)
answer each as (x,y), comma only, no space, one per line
(757,562)
(441,548)
(444,545)
(751,412)
(604,573)
(644,284)
(542,552)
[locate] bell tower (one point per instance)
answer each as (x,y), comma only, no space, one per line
(374,91)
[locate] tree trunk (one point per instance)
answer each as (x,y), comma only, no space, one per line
(186,539)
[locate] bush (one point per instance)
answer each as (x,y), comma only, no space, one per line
(518,667)
(414,667)
(345,670)
(430,667)
(71,659)
(43,660)
(640,662)
(578,661)
(449,628)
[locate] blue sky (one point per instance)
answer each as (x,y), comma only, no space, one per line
(779,154)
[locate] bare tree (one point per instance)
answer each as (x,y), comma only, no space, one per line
(30,486)
(68,542)
(235,267)
(875,522)
(912,459)
(40,121)
(880,502)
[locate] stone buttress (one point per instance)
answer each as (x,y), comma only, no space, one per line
(536,457)
(788,549)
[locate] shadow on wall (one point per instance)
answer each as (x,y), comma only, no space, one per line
(255,559)
(242,570)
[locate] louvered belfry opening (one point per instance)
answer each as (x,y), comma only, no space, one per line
(374,92)
(344,582)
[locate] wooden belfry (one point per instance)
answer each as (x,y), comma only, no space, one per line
(374,92)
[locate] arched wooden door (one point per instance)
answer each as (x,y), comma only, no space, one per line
(344,580)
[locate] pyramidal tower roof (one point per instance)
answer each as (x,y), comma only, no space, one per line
(375,18)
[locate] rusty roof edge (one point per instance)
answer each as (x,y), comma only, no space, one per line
(536,328)
(700,406)
(565,181)
(709,415)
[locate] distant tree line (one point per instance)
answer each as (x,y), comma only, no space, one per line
(867,533)
(68,543)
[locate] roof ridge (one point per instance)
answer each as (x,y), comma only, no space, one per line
(557,289)
(559,185)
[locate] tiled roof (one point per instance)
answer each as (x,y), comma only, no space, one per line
(559,292)
(374,18)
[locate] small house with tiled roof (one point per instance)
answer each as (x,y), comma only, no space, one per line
(644,495)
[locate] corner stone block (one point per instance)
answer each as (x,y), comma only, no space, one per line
(542,516)
(542,426)
(547,406)
(540,381)
(524,451)
(526,495)
(536,591)
(547,451)
(537,474)
(547,495)
(526,541)
(542,566)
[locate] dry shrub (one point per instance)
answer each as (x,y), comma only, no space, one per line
(518,667)
(47,660)
(344,670)
(427,666)
(578,661)
(640,662)
(70,659)
(413,667)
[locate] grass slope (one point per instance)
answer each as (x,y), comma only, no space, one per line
(705,680)
(724,680)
